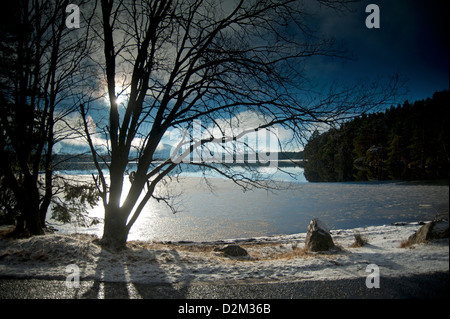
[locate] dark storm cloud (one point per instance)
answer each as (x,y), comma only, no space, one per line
(412,41)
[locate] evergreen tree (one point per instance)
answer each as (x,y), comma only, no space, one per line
(405,142)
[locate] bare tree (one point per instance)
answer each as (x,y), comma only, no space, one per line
(182,62)
(40,58)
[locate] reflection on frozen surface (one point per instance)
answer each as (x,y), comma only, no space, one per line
(228,212)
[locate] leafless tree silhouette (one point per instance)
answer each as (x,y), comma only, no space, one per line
(180,62)
(40,58)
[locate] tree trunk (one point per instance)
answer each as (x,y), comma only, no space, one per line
(29,220)
(115,232)
(31,209)
(46,201)
(20,226)
(28,202)
(33,220)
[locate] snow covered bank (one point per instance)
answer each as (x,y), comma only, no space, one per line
(275,258)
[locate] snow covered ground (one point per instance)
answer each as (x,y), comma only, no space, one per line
(275,258)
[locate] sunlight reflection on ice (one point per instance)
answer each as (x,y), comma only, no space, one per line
(230,213)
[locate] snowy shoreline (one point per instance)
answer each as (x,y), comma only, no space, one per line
(273,258)
(220,209)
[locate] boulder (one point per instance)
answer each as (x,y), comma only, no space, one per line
(318,237)
(437,229)
(232,251)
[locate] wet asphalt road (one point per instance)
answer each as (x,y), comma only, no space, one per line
(418,286)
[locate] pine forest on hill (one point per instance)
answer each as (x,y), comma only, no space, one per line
(407,142)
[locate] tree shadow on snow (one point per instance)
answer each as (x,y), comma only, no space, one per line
(126,275)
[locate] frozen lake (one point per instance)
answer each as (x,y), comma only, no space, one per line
(230,213)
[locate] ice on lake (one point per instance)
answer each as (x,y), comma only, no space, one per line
(228,212)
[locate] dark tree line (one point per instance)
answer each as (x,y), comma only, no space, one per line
(407,142)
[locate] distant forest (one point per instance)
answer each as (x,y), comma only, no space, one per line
(407,142)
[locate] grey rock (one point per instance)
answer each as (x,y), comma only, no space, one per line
(232,251)
(318,237)
(437,229)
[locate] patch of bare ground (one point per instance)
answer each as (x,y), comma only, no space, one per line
(257,251)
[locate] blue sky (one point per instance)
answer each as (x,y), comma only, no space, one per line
(413,41)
